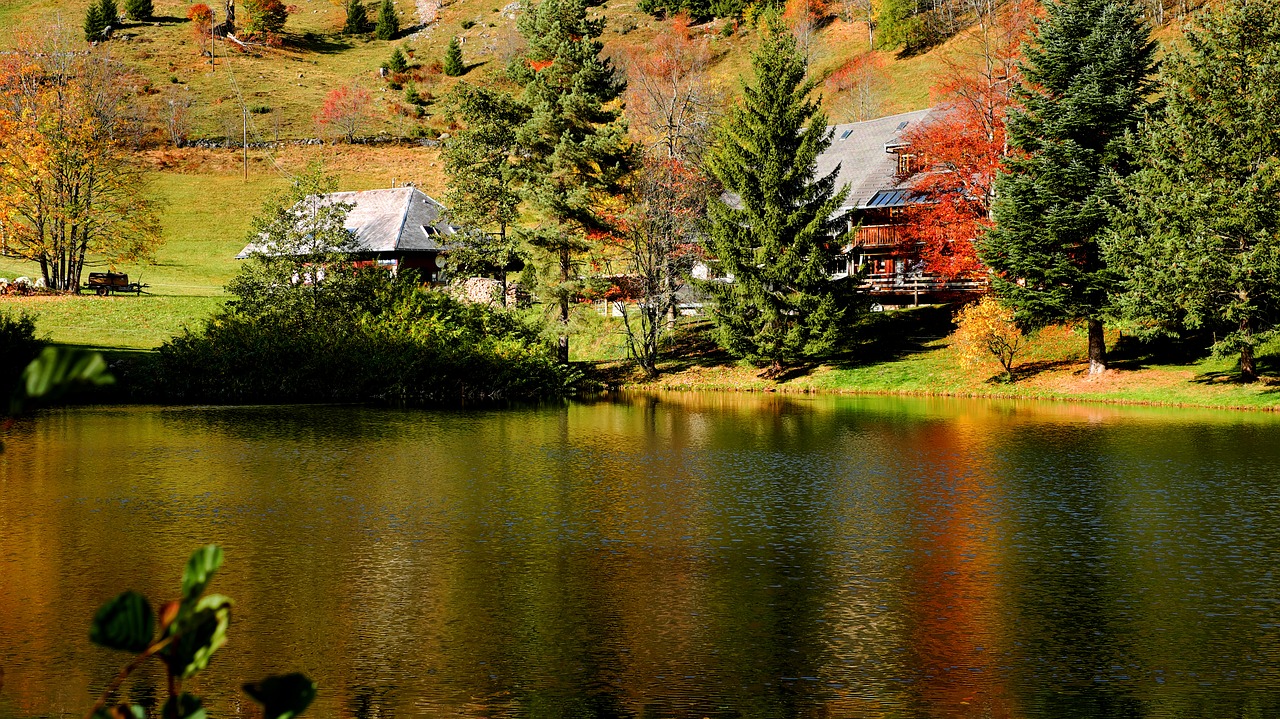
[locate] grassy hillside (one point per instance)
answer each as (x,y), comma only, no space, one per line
(287,85)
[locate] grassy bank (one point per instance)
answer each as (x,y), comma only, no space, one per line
(908,354)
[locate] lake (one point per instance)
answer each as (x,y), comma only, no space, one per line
(681,555)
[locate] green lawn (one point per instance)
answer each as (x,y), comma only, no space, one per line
(903,355)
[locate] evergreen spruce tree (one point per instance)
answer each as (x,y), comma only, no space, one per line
(575,154)
(453,65)
(1084,86)
(397,62)
(110,12)
(139,10)
(484,192)
(357,18)
(388,22)
(778,232)
(94,25)
(1197,236)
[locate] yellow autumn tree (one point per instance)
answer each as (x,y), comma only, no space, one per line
(987,330)
(70,192)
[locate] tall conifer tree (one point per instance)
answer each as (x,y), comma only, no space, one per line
(453,65)
(1084,86)
(357,18)
(1197,237)
(574,148)
(778,233)
(483,193)
(388,21)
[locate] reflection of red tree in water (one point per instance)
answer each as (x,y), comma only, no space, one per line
(953,610)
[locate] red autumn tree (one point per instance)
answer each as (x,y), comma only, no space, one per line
(857,85)
(960,152)
(345,110)
(266,19)
(201,17)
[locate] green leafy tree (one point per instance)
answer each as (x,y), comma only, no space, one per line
(397,63)
(897,23)
(388,21)
(1197,236)
(575,151)
(484,192)
(453,65)
(94,25)
(300,263)
(1084,85)
(778,232)
(357,18)
(183,635)
(266,17)
(139,10)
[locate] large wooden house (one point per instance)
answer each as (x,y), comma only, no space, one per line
(877,164)
(397,228)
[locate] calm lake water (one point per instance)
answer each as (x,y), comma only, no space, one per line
(668,556)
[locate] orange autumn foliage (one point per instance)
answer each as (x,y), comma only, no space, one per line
(960,151)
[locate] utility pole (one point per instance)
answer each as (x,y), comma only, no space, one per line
(213,40)
(244,139)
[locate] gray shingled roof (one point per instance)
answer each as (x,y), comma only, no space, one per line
(391,220)
(865,165)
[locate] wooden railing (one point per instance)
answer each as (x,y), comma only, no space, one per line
(876,236)
(924,283)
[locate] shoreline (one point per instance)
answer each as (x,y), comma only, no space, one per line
(945,394)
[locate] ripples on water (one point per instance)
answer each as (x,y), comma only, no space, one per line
(682,556)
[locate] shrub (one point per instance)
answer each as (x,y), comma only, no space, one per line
(18,346)
(357,18)
(380,338)
(986,329)
(139,9)
(453,65)
(266,17)
(388,22)
(412,96)
(468,24)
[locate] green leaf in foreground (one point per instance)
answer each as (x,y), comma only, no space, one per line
(184,706)
(202,565)
(59,369)
(284,696)
(126,623)
(199,634)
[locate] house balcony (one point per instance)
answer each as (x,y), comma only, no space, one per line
(876,236)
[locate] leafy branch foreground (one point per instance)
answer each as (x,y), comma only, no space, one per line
(191,629)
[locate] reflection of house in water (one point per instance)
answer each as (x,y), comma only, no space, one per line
(877,164)
(398,228)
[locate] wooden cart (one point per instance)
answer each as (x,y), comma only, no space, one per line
(105,283)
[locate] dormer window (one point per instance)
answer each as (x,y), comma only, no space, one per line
(906,163)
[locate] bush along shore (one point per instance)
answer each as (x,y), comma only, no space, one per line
(307,324)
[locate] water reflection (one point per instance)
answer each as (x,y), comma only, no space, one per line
(693,555)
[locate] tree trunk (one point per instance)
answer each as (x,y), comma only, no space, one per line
(562,344)
(1248,363)
(1097,348)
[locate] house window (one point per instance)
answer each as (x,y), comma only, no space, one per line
(906,164)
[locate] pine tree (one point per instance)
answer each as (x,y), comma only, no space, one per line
(1084,84)
(388,21)
(778,233)
(357,19)
(94,25)
(110,12)
(484,192)
(1197,236)
(574,146)
(397,63)
(453,65)
(139,10)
